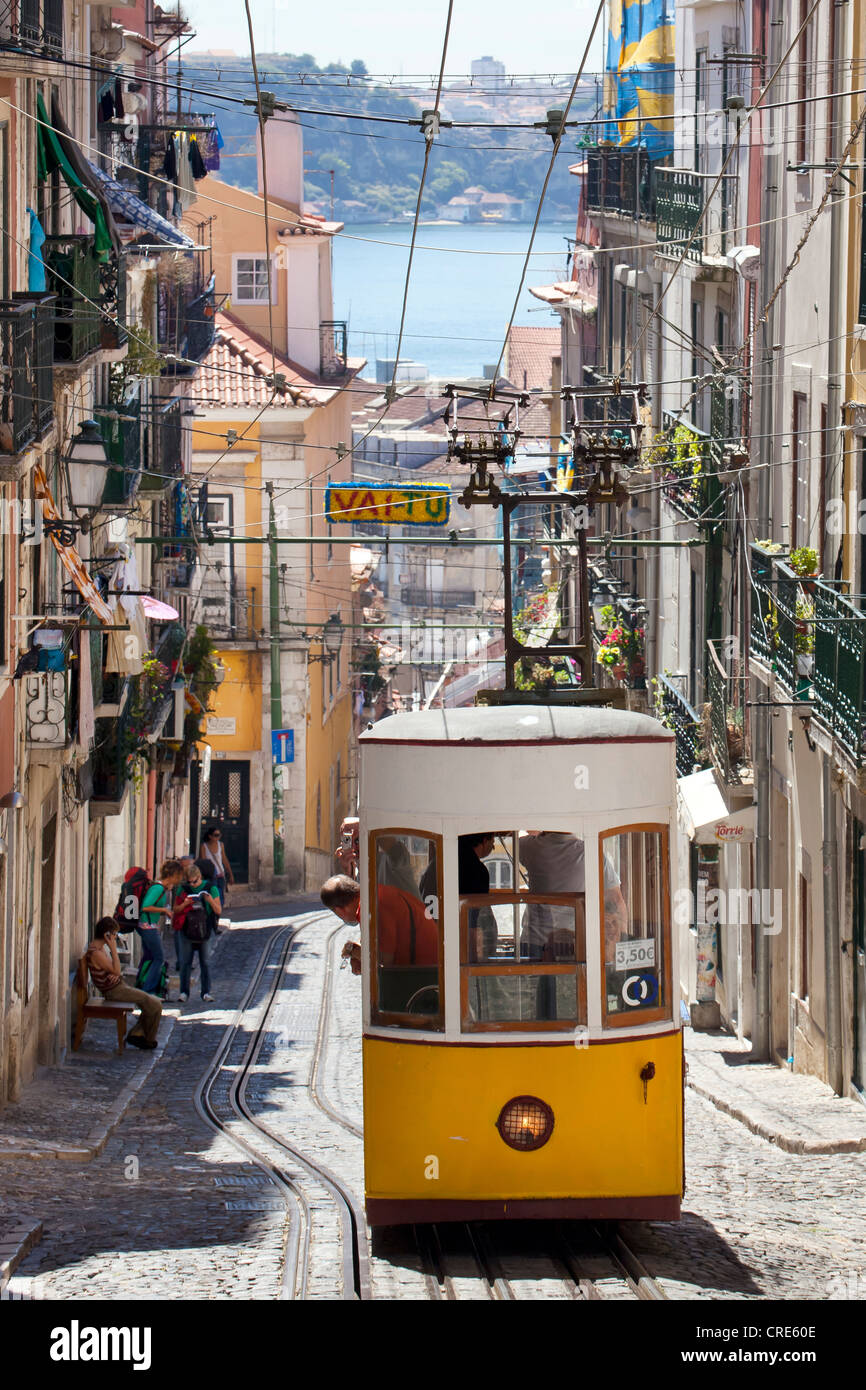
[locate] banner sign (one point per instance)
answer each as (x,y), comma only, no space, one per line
(413,504)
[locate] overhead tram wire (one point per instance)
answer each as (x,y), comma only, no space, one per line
(556,144)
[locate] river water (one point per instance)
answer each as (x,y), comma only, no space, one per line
(461,291)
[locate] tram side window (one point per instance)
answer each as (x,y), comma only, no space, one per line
(406,935)
(636,926)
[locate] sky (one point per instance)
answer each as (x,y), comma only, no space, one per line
(391,36)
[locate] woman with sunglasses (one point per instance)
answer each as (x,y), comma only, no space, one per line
(213,849)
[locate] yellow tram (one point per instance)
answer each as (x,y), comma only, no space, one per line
(522,1046)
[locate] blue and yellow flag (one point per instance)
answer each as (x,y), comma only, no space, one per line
(639,75)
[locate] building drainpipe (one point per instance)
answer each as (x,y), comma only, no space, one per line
(761,722)
(836,350)
(151,822)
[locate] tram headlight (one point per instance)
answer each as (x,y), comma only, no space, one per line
(525,1123)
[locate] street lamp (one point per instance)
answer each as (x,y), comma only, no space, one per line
(86,458)
(332,639)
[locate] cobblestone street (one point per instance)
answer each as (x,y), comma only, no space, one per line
(171,1207)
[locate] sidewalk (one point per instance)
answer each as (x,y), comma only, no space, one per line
(796,1113)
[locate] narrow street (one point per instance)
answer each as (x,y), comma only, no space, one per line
(172,1208)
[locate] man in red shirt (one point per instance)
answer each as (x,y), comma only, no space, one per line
(407,935)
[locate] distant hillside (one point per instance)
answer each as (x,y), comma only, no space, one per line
(377,167)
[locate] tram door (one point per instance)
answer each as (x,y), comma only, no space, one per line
(225,801)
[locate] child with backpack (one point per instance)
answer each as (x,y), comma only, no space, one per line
(195,917)
(155,908)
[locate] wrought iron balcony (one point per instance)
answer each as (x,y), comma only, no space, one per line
(164,446)
(688,482)
(228,616)
(333,339)
(186,322)
(175,564)
(813,639)
(121,432)
(621,181)
(676,713)
(48,710)
(73,274)
(26,371)
(29,25)
(727,724)
(680,195)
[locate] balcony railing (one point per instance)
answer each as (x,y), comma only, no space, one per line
(333,339)
(175,564)
(186,320)
(25,24)
(677,714)
(689,480)
(164,446)
(228,616)
(112,300)
(680,195)
(74,279)
(48,710)
(621,181)
(26,373)
(813,638)
(121,433)
(727,730)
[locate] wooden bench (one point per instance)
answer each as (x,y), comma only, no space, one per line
(86,1008)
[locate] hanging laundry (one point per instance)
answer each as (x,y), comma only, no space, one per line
(35,264)
(196,163)
(106,106)
(118,99)
(185,183)
(212,142)
(169,163)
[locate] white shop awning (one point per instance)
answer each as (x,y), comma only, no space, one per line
(704,815)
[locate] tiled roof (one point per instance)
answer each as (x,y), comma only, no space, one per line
(528,359)
(237,372)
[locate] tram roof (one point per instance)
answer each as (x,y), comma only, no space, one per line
(505,724)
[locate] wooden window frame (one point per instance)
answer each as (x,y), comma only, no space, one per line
(575,968)
(664,1012)
(381,1018)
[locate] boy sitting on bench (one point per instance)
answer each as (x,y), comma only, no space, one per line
(105,972)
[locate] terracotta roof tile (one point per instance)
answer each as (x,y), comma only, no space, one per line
(528,362)
(237,372)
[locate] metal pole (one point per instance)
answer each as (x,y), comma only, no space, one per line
(276,686)
(832,948)
(836,360)
(762,717)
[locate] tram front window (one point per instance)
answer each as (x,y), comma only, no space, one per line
(636,927)
(406,929)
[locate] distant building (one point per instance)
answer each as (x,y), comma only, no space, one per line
(477,205)
(490,69)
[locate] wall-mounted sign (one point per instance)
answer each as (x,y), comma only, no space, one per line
(421,504)
(283,746)
(223,725)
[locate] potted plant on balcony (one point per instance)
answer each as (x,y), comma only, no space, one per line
(804,563)
(804,635)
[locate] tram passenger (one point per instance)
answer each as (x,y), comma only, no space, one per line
(473,876)
(347,852)
(407,937)
(555,863)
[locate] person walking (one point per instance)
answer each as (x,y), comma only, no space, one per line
(156,908)
(195,917)
(212,848)
(105,972)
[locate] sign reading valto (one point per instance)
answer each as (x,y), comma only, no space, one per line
(421,504)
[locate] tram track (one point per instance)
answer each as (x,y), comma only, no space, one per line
(223,1088)
(458,1261)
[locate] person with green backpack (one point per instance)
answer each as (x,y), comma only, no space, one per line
(155,908)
